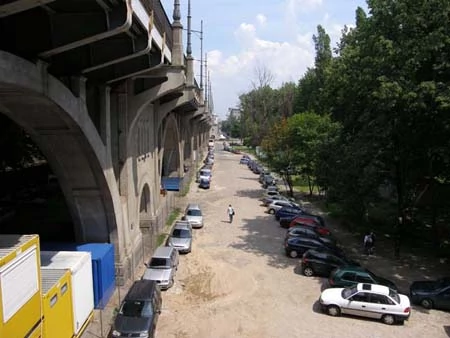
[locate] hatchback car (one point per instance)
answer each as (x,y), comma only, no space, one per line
(273,207)
(431,294)
(297,246)
(310,232)
(321,262)
(181,237)
(194,214)
(139,311)
(162,267)
(351,275)
(204,183)
(288,212)
(367,300)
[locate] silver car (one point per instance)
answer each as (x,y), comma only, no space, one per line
(193,214)
(181,237)
(162,267)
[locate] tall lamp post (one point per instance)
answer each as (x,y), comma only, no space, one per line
(189,44)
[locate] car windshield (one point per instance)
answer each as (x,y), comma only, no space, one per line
(194,212)
(159,263)
(394,295)
(347,292)
(181,233)
(136,308)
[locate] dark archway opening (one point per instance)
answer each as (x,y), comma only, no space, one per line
(31,200)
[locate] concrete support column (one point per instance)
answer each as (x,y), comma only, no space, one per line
(78,87)
(177,37)
(105,117)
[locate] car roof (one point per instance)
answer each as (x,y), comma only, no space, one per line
(186,225)
(193,206)
(163,252)
(141,290)
(353,268)
(376,288)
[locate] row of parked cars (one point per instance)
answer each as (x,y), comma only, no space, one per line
(204,175)
(351,288)
(140,309)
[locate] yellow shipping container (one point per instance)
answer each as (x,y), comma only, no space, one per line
(37,332)
(57,303)
(20,285)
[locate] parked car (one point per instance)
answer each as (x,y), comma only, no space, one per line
(272,188)
(204,183)
(367,300)
(162,267)
(139,311)
(308,219)
(277,205)
(310,232)
(181,237)
(351,275)
(244,159)
(431,294)
(288,212)
(317,262)
(297,246)
(205,173)
(303,218)
(268,180)
(268,199)
(193,213)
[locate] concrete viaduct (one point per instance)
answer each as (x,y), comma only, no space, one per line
(105,90)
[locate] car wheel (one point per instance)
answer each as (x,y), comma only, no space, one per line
(388,319)
(293,254)
(426,303)
(334,310)
(308,272)
(271,211)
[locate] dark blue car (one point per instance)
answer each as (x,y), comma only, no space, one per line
(288,212)
(204,183)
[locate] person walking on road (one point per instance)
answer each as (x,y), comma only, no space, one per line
(230,212)
(369,243)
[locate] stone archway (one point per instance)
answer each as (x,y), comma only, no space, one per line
(58,122)
(146,221)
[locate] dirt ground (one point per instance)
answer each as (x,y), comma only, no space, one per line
(237,282)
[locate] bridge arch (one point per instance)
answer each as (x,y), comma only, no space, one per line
(59,123)
(170,164)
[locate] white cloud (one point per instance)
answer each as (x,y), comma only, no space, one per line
(232,75)
(261,19)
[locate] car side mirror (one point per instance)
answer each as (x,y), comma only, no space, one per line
(146,265)
(183,218)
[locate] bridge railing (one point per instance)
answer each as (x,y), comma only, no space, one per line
(161,20)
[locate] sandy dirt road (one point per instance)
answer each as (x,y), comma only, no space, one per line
(237,282)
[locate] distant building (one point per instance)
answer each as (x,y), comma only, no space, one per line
(234,112)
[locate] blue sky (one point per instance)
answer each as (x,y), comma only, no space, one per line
(242,35)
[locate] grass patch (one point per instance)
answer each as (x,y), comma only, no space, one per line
(173,216)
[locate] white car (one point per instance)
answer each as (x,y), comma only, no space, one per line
(273,207)
(367,300)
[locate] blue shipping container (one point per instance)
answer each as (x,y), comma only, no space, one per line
(103,270)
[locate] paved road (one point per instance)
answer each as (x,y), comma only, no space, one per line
(237,282)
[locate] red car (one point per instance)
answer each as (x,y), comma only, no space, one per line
(311,222)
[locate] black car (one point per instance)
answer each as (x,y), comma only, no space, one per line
(139,311)
(431,294)
(310,232)
(297,246)
(321,262)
